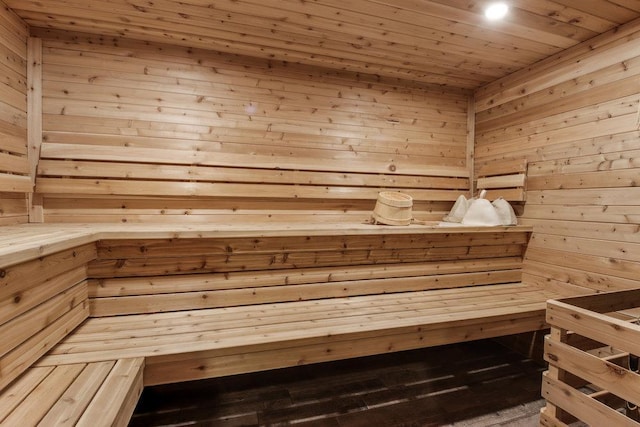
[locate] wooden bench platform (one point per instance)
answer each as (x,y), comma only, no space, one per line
(199,302)
(187,345)
(83,394)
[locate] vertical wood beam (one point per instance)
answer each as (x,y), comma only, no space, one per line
(471,140)
(34,122)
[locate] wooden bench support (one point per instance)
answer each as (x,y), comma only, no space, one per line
(84,394)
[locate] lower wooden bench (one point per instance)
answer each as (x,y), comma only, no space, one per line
(187,345)
(199,303)
(83,394)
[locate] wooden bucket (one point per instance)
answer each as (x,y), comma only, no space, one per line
(393,208)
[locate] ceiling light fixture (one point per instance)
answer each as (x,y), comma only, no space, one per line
(496,11)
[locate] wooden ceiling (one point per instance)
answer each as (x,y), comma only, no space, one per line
(446,42)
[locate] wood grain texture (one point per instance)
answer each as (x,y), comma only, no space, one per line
(74,395)
(442,42)
(130,121)
(576,122)
(590,375)
(14,165)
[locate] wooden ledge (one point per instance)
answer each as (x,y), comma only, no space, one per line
(30,241)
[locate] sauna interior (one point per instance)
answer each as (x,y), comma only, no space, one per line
(186,189)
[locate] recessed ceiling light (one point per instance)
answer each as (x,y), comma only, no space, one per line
(496,11)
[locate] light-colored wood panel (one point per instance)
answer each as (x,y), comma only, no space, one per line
(609,231)
(602,179)
(239,280)
(29,297)
(215,174)
(619,159)
(589,263)
(22,327)
(46,394)
(616,250)
(14,164)
(529,145)
(122,305)
(212,74)
(613,214)
(13,32)
(167,188)
(12,97)
(88,152)
(25,355)
(603,85)
(116,398)
(75,399)
(312,130)
(34,121)
(568,279)
(15,183)
(612,196)
(115,132)
(609,109)
(14,142)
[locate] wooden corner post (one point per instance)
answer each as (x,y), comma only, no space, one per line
(34,122)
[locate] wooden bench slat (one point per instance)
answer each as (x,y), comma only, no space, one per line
(291,331)
(296,311)
(18,391)
(207,364)
(282,296)
(502,181)
(103,393)
(73,402)
(234,297)
(115,401)
(43,396)
(17,330)
(26,354)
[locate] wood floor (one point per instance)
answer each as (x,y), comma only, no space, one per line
(470,384)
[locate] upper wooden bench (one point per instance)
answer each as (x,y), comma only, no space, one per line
(197,302)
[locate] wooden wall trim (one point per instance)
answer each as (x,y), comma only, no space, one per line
(471,142)
(34,122)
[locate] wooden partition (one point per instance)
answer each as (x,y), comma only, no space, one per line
(152,133)
(575,118)
(15,182)
(592,353)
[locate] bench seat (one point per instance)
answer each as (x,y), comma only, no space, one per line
(193,302)
(82,394)
(187,345)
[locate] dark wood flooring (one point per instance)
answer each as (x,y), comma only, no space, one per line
(470,384)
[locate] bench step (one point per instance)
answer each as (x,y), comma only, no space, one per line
(85,394)
(376,324)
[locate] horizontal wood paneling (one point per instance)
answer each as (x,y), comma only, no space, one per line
(41,301)
(435,41)
(14,165)
(147,276)
(577,123)
(142,132)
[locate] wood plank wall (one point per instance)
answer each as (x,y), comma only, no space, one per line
(576,118)
(145,132)
(14,165)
